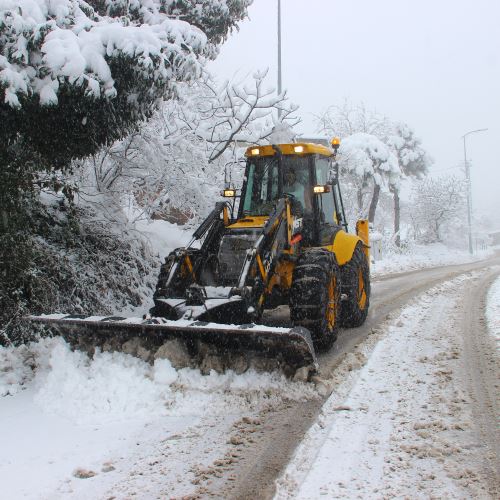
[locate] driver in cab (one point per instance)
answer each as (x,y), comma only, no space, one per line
(301,198)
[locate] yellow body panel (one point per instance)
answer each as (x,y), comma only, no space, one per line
(289,149)
(362,230)
(248,222)
(225,215)
(282,276)
(343,246)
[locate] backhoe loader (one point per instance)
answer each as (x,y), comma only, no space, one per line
(281,240)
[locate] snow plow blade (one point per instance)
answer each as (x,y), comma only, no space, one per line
(291,346)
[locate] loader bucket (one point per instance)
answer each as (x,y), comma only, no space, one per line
(291,346)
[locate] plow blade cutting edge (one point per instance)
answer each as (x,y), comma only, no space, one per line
(293,346)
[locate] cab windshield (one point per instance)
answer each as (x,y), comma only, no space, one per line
(261,187)
(262,184)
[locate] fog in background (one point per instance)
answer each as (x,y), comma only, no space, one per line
(432,64)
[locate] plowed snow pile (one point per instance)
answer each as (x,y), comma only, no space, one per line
(493,312)
(405,429)
(72,425)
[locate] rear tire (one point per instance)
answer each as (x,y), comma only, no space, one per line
(356,285)
(315,296)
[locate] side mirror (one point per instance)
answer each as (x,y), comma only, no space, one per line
(228,167)
(333,174)
(227,176)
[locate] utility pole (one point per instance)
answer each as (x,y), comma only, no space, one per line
(469,191)
(279,53)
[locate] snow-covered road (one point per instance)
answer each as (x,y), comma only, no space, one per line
(405,415)
(408,427)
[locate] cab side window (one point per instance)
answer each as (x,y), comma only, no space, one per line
(325,200)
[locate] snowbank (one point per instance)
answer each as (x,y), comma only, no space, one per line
(423,256)
(493,311)
(18,365)
(164,236)
(113,386)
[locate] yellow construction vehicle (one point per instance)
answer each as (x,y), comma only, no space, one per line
(285,242)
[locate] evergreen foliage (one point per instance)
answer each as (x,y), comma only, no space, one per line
(77,75)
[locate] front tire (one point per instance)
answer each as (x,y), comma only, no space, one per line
(315,296)
(182,278)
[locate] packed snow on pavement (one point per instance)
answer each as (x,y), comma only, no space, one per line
(402,426)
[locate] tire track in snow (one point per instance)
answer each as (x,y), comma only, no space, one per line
(482,379)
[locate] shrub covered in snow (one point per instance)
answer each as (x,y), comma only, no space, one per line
(78,263)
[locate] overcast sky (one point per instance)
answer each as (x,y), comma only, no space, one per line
(432,64)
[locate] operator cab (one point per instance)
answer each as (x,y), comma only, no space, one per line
(304,173)
(266,182)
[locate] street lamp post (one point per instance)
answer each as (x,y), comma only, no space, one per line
(279,53)
(469,192)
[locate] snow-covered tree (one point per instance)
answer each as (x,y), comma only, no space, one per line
(348,118)
(369,159)
(413,161)
(75,74)
(437,204)
(234,112)
(174,165)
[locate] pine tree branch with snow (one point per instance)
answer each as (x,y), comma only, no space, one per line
(75,75)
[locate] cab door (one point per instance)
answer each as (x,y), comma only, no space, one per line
(326,207)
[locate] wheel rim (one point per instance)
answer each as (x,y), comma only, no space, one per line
(361,290)
(331,313)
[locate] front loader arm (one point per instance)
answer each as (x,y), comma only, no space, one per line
(264,255)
